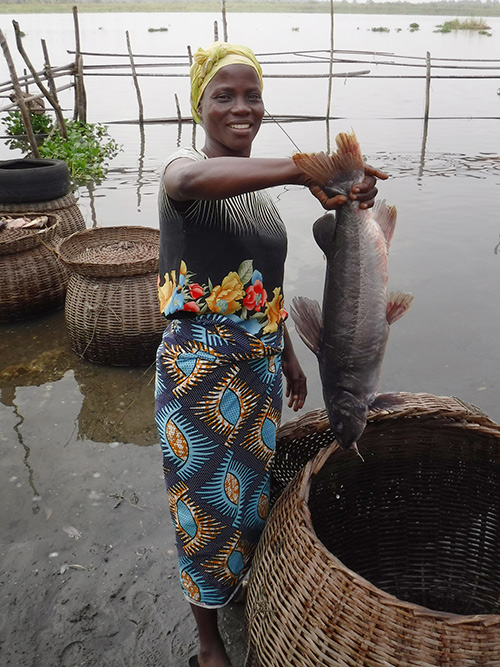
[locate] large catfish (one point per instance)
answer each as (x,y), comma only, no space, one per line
(349,334)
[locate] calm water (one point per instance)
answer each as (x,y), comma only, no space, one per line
(68,429)
(447,191)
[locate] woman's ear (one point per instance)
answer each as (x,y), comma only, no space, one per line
(199,112)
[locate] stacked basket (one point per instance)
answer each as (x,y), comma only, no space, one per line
(392,561)
(111,307)
(33,279)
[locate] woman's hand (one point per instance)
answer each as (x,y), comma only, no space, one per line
(296,383)
(364,192)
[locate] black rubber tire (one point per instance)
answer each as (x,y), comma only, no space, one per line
(33,180)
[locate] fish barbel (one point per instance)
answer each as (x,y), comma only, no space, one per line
(349,334)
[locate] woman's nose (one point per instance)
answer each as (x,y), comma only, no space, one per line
(240,105)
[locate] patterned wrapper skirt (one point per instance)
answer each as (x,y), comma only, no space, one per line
(218,405)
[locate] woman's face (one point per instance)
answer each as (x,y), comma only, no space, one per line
(231,111)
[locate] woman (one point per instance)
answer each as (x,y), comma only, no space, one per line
(219,391)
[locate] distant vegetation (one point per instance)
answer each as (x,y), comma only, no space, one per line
(445,8)
(469,24)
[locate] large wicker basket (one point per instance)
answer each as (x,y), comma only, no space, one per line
(66,208)
(33,279)
(393,561)
(111,309)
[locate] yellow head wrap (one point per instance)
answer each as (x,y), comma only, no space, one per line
(208,62)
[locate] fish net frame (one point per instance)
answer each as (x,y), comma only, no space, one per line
(391,562)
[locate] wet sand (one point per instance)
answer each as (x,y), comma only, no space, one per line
(88,565)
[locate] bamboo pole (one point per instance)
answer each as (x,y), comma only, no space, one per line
(224,20)
(136,82)
(426,114)
(48,72)
(330,77)
(80,110)
(427,84)
(34,97)
(46,93)
(19,94)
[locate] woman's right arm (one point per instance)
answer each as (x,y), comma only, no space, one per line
(221,177)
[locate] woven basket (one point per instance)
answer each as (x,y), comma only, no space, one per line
(19,240)
(66,208)
(33,279)
(112,312)
(391,562)
(112,251)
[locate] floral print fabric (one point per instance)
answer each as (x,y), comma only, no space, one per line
(241,295)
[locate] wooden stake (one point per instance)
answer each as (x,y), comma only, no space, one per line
(330,78)
(224,20)
(136,81)
(20,97)
(80,111)
(46,93)
(216,31)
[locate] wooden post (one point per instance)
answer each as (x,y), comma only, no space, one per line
(52,101)
(48,72)
(20,97)
(136,81)
(330,78)
(80,111)
(224,20)
(426,112)
(427,83)
(216,31)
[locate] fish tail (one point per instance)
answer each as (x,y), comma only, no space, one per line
(338,171)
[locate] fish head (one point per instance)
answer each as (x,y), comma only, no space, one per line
(347,415)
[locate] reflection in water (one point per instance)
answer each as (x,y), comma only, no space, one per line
(7,397)
(142,151)
(117,402)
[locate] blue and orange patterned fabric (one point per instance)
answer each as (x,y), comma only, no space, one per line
(222,257)
(218,405)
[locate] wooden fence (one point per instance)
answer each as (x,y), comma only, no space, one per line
(138,66)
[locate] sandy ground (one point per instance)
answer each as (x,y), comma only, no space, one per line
(88,570)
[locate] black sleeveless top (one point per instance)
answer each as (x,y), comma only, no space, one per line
(222,257)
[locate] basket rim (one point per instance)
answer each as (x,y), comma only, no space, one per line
(72,245)
(430,405)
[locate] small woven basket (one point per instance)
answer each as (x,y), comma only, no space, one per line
(112,251)
(66,208)
(19,240)
(111,309)
(33,279)
(392,561)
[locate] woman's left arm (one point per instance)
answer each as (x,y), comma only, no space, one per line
(296,383)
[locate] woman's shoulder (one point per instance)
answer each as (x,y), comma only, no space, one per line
(186,152)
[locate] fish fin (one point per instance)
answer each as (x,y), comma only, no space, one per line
(386,217)
(317,166)
(386,401)
(339,171)
(306,313)
(324,231)
(397,305)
